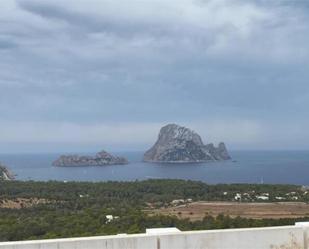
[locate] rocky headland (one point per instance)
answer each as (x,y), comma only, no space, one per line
(177,144)
(5,174)
(100,159)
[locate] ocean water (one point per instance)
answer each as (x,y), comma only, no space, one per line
(287,167)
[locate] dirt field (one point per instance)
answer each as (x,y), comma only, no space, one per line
(197,210)
(21,203)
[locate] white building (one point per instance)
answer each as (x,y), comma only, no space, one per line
(262,197)
(109,218)
(237,197)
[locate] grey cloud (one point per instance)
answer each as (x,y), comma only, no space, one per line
(160,61)
(287,3)
(88,22)
(6,44)
(51,11)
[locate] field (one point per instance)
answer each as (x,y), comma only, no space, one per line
(197,210)
(19,203)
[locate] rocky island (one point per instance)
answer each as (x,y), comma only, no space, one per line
(100,159)
(177,144)
(5,174)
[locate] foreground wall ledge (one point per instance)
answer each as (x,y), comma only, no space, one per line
(287,237)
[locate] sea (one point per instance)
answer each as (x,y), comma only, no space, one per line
(274,167)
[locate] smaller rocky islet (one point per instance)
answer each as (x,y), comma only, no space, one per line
(100,159)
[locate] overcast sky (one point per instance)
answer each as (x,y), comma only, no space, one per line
(82,75)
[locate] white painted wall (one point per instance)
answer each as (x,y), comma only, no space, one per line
(289,237)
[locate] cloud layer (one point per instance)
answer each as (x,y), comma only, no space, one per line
(72,68)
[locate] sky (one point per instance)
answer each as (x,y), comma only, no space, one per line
(83,75)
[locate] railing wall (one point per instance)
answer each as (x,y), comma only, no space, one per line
(288,237)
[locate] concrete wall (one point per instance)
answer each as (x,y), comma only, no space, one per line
(289,237)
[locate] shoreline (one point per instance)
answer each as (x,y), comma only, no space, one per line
(6,173)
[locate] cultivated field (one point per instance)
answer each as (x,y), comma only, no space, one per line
(19,203)
(197,210)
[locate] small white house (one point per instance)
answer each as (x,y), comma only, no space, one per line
(237,197)
(177,202)
(279,198)
(262,197)
(109,218)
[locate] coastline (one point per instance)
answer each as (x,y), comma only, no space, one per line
(251,167)
(7,175)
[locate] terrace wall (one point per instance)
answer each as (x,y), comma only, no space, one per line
(288,237)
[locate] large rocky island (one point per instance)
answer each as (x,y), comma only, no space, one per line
(5,174)
(177,144)
(100,159)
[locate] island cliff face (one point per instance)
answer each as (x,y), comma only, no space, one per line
(178,144)
(5,174)
(100,159)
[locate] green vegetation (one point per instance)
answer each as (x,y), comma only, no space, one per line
(79,208)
